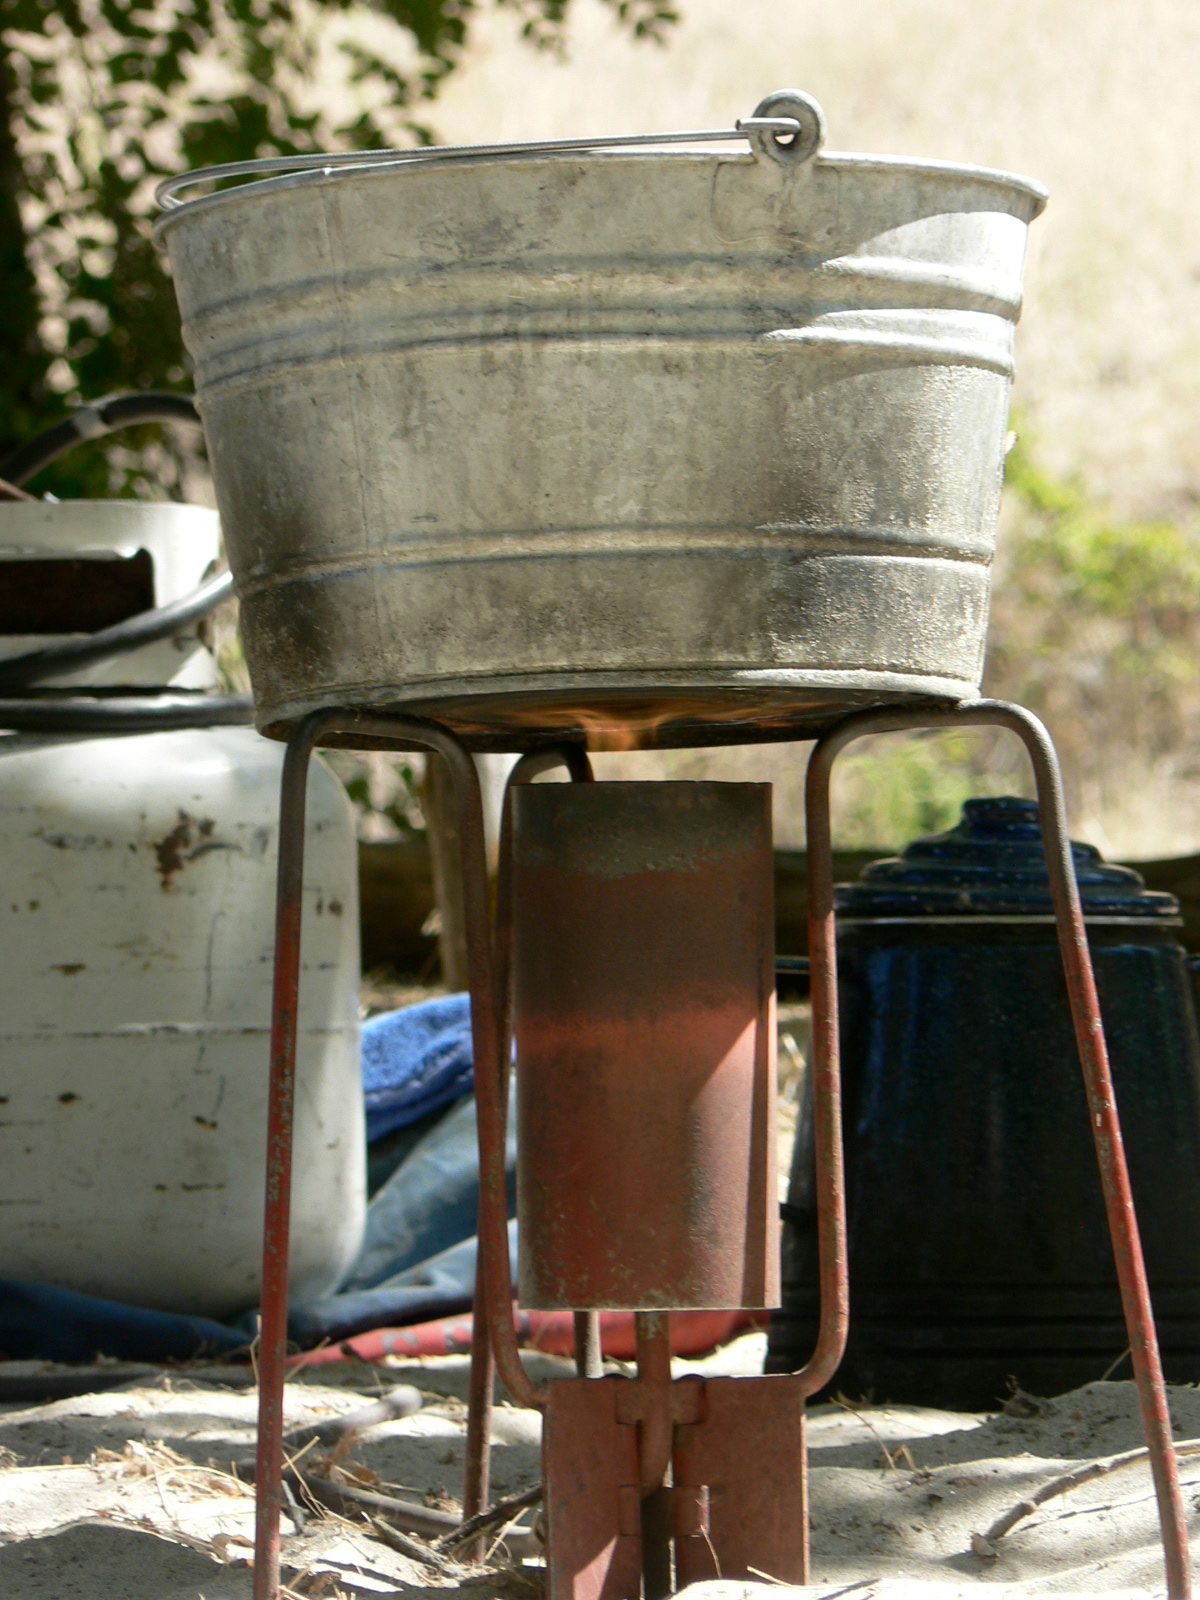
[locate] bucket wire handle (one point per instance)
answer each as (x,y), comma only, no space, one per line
(787,126)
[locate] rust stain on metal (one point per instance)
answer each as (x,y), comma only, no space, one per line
(169,850)
(642,1000)
(175,848)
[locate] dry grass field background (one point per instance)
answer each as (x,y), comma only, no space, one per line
(1099,100)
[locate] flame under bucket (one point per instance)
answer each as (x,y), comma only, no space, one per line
(696,442)
(643,1014)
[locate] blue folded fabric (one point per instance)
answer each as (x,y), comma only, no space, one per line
(39,1321)
(430,1202)
(415,1061)
(442,1286)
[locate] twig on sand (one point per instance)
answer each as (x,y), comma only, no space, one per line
(402,1401)
(1074,1479)
(425,1555)
(405,1515)
(495,1516)
(892,1457)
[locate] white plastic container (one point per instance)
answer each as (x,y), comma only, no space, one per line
(136,950)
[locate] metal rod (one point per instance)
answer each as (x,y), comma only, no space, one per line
(657,1577)
(477,1469)
(1110,1150)
(656,1435)
(1093,1057)
(589,1355)
(494,1278)
(398,732)
(832,1254)
(477,1462)
(272,1352)
(490,1073)
(653,1333)
(589,1361)
(167,193)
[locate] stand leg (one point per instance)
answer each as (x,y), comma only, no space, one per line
(493,1320)
(483,1364)
(1110,1150)
(589,1360)
(268,1477)
(826,1081)
(477,1466)
(1093,1057)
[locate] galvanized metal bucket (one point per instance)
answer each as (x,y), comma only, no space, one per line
(669,443)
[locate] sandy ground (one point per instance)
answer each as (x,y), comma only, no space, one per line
(128,1492)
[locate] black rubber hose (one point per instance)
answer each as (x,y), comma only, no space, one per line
(127,713)
(19,672)
(93,421)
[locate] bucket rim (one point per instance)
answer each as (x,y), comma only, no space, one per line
(322,170)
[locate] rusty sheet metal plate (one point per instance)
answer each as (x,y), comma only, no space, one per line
(749,1452)
(643,1008)
(593,1503)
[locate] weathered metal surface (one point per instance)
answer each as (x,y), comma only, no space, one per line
(277,1201)
(135,991)
(593,1502)
(643,1004)
(667,447)
(483,1336)
(749,1453)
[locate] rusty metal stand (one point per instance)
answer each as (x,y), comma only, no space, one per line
(613,1517)
(1093,1058)
(494,1341)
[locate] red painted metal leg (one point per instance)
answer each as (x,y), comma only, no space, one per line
(493,1306)
(1093,1056)
(272,1351)
(483,1364)
(478,1459)
(589,1357)
(1110,1150)
(826,1072)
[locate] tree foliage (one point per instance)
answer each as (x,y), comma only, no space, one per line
(1095,619)
(99,99)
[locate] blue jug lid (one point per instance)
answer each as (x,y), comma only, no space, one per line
(993,864)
